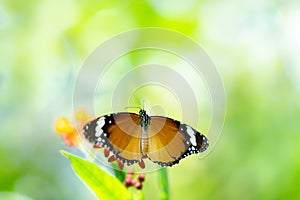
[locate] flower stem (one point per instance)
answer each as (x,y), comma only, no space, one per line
(164,184)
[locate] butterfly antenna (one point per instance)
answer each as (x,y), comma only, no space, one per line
(133,107)
(143,103)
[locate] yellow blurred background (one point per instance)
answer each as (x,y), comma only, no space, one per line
(255,46)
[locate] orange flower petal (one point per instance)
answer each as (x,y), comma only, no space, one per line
(71,139)
(81,116)
(62,126)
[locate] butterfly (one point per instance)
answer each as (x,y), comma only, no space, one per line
(132,137)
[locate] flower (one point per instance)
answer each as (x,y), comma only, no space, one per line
(130,181)
(68,132)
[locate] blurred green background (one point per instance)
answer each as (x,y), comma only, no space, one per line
(254,44)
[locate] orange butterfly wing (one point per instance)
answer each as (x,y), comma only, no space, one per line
(170,141)
(119,133)
(166,141)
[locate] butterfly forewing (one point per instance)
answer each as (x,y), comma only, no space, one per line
(119,133)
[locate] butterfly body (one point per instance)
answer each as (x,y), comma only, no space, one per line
(132,137)
(145,122)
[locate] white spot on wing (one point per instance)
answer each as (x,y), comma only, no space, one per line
(191,133)
(100,124)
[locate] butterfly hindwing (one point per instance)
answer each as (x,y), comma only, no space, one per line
(171,140)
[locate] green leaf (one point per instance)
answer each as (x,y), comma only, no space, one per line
(104,185)
(119,174)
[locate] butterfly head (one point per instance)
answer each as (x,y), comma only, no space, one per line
(145,119)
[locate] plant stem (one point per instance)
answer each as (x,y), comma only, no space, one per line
(164,184)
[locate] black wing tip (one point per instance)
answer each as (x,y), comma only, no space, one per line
(205,144)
